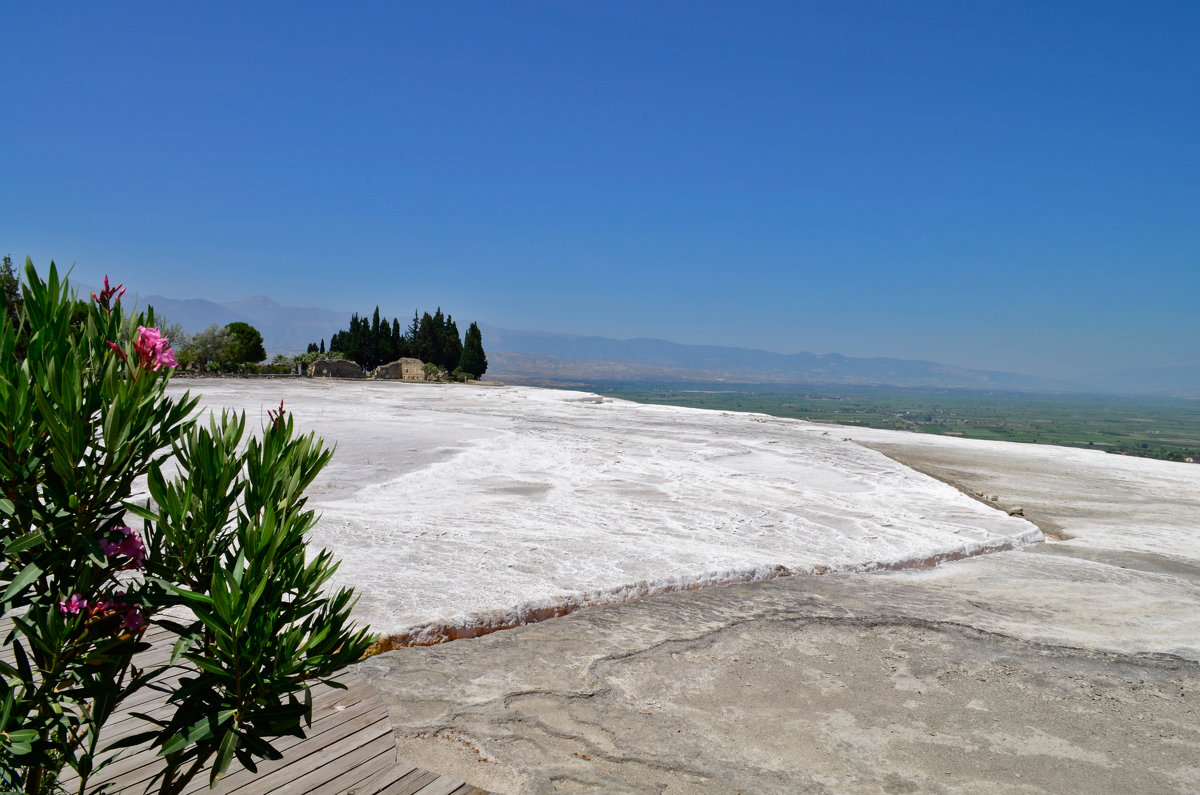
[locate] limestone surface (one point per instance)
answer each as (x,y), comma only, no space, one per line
(1065,666)
(842,683)
(468,507)
(1061,667)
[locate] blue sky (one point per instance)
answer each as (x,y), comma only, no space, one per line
(1004,186)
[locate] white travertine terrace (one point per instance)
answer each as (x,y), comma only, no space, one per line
(455,507)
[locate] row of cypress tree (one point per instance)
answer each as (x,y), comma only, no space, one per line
(430,338)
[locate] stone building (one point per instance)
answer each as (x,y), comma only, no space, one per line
(335,368)
(402,369)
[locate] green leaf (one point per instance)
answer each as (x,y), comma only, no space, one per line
(259,747)
(181,647)
(140,512)
(224,756)
(221,600)
(202,729)
(23,667)
(133,740)
(22,736)
(209,666)
(22,580)
(23,543)
(183,593)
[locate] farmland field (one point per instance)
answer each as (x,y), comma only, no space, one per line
(1165,428)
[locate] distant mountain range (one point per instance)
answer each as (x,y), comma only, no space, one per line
(539,357)
(557,359)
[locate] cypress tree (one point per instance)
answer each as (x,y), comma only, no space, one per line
(376,340)
(385,349)
(473,359)
(439,337)
(371,351)
(451,344)
(398,346)
(427,340)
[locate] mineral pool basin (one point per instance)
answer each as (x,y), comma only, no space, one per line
(457,509)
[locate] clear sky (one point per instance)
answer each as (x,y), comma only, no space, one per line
(1008,185)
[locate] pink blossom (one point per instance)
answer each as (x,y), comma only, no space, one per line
(103,615)
(277,417)
(153,349)
(117,348)
(106,299)
(129,545)
(103,608)
(133,620)
(72,606)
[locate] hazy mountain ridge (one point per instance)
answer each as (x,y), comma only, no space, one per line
(536,356)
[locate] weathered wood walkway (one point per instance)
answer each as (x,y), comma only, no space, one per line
(349,749)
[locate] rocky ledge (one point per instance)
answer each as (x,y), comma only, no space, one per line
(1063,667)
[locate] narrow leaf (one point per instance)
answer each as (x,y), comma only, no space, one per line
(22,580)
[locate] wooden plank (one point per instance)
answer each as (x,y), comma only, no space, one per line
(325,719)
(406,779)
(384,762)
(348,749)
(132,766)
(384,778)
(342,737)
(468,789)
(328,728)
(132,781)
(328,750)
(411,784)
(442,785)
(326,703)
(326,768)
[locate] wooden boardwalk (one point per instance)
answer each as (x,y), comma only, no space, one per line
(349,749)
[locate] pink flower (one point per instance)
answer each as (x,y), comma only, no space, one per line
(107,616)
(128,545)
(105,299)
(103,608)
(153,349)
(133,620)
(72,606)
(117,348)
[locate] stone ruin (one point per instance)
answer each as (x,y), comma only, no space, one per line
(402,370)
(335,368)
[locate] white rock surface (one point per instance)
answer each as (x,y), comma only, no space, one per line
(454,507)
(1110,502)
(1056,667)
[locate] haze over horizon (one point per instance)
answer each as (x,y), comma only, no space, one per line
(1005,187)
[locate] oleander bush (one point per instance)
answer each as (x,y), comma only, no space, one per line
(219,559)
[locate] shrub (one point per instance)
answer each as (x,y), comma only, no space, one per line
(86,413)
